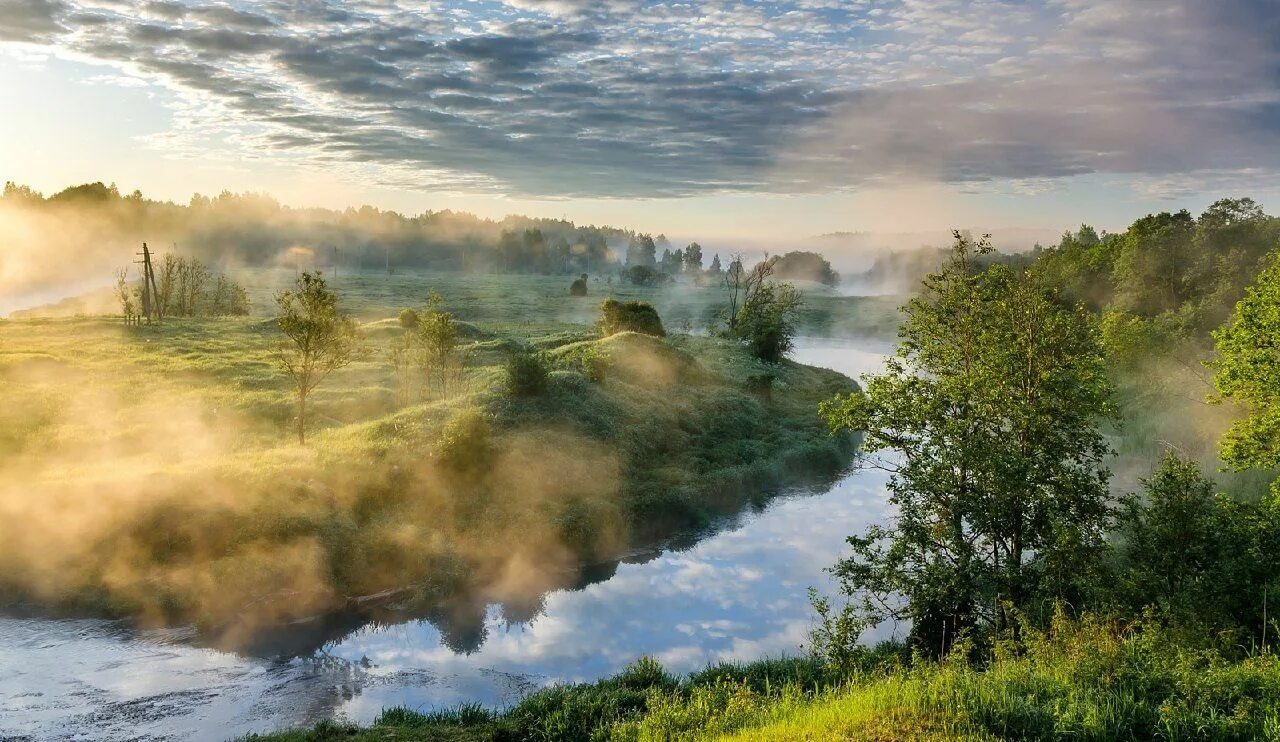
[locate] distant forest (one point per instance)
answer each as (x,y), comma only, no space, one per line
(255,229)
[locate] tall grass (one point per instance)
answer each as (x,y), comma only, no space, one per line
(1080,680)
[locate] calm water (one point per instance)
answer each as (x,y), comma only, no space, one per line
(739,594)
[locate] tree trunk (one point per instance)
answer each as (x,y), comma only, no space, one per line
(302,418)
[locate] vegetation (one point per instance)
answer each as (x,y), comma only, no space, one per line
(186,504)
(1090,680)
(991,407)
(631,316)
(801,265)
(319,340)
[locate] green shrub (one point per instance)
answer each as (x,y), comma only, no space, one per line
(408,319)
(465,444)
(526,374)
(632,316)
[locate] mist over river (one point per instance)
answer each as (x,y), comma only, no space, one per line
(737,594)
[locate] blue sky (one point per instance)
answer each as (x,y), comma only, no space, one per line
(720,118)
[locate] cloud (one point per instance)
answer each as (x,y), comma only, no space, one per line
(563,98)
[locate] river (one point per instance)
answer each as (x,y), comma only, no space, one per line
(738,594)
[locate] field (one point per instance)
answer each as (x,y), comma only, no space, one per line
(150,472)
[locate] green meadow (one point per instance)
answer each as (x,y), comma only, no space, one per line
(150,472)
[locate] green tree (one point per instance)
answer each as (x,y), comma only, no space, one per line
(1202,559)
(987,418)
(319,339)
(438,354)
(1247,372)
(693,258)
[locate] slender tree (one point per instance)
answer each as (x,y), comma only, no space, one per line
(318,339)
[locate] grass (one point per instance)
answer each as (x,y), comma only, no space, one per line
(1085,680)
(150,472)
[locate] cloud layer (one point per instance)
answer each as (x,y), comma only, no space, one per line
(568,98)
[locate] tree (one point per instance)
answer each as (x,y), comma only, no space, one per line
(641,251)
(318,339)
(990,409)
(767,320)
(801,265)
(1202,559)
(734,283)
(437,338)
(126,296)
(1247,371)
(715,268)
(693,258)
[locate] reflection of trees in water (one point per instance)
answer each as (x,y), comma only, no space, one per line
(462,619)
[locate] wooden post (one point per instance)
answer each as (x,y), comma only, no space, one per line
(146,285)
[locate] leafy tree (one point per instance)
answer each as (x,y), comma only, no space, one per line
(715,269)
(1152,263)
(802,265)
(632,316)
(1202,559)
(1247,371)
(437,338)
(319,339)
(989,412)
(641,251)
(693,258)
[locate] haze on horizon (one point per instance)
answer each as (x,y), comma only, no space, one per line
(703,120)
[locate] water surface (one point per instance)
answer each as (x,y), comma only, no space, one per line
(739,594)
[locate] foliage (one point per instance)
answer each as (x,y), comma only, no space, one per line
(1201,559)
(579,286)
(801,265)
(319,339)
(1247,371)
(760,311)
(466,442)
(526,374)
(408,319)
(1088,680)
(990,410)
(438,353)
(631,316)
(768,320)
(645,275)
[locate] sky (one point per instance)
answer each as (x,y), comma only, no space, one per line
(728,119)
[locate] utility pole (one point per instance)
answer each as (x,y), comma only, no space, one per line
(150,297)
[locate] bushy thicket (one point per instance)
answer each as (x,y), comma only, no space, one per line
(631,316)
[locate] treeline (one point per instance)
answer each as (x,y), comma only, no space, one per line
(999,418)
(255,229)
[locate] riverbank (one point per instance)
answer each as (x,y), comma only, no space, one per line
(1082,680)
(149,473)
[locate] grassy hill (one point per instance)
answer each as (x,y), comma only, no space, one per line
(149,472)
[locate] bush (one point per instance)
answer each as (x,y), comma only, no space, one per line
(633,316)
(408,319)
(579,286)
(526,374)
(595,364)
(466,442)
